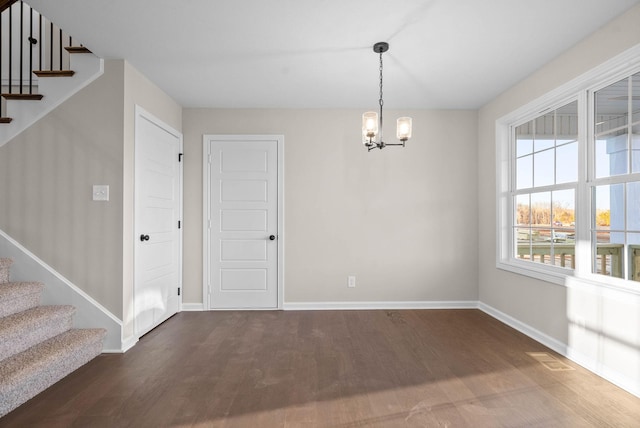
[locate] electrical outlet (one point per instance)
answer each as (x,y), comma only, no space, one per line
(351,281)
(100,192)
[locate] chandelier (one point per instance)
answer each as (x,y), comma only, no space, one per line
(372,123)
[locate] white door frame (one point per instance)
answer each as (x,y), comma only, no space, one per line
(141,113)
(206,181)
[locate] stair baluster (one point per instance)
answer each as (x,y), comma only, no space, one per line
(13,53)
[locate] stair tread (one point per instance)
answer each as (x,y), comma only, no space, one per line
(31,318)
(25,97)
(5,262)
(25,329)
(54,73)
(77,49)
(40,356)
(10,290)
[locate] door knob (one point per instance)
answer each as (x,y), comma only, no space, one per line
(144,238)
(272,237)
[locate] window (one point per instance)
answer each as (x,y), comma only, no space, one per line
(615,211)
(569,179)
(546,174)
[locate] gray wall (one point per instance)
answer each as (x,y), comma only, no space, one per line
(610,339)
(46,178)
(402,220)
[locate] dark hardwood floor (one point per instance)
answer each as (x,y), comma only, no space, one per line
(436,368)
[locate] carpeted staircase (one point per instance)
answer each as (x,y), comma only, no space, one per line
(38,345)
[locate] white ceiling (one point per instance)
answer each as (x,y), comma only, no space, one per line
(449,54)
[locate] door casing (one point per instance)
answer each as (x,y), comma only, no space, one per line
(206,177)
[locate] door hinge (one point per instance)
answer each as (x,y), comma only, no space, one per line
(180,157)
(179,224)
(178,291)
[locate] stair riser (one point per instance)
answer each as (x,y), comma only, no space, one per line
(4,275)
(12,396)
(23,340)
(19,304)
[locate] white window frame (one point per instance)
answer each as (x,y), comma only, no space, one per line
(580,89)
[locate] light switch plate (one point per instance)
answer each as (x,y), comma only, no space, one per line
(100,192)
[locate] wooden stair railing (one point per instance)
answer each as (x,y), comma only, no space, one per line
(5,4)
(31,46)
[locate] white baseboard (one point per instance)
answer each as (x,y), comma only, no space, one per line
(322,306)
(192,307)
(546,340)
(128,343)
(565,350)
(59,290)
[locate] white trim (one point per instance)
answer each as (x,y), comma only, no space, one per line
(62,279)
(281,233)
(193,307)
(59,290)
(607,373)
(322,306)
(590,364)
(140,112)
(128,343)
(206,245)
(525,329)
(206,234)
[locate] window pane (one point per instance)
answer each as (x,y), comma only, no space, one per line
(524,139)
(633,206)
(523,242)
(611,154)
(543,164)
(612,106)
(545,132)
(541,144)
(567,123)
(635,101)
(609,256)
(541,227)
(635,145)
(634,256)
(567,163)
(524,171)
(541,209)
(523,210)
(563,228)
(564,208)
(602,207)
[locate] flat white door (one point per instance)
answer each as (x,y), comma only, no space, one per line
(157,213)
(242,222)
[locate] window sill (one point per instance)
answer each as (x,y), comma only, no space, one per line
(562,277)
(546,273)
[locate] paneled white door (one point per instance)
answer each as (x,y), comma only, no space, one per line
(241,222)
(157,231)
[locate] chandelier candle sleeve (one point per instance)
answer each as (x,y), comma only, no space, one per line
(369,126)
(404,128)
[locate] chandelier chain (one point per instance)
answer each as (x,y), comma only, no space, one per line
(381,101)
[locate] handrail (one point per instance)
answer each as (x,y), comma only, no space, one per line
(28,43)
(5,4)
